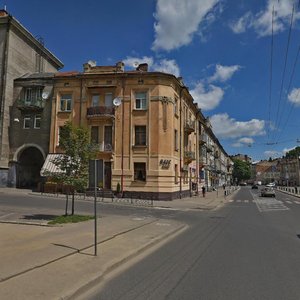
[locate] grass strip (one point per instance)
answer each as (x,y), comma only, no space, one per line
(70,219)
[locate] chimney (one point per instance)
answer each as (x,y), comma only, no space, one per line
(120,66)
(142,67)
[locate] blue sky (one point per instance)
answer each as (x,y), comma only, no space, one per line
(221,48)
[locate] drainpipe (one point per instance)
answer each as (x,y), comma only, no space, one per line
(3,81)
(122,146)
(180,140)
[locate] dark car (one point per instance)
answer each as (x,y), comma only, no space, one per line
(267,192)
(254,186)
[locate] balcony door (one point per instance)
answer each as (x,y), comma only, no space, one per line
(108,138)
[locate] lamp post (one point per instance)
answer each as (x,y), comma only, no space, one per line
(95,210)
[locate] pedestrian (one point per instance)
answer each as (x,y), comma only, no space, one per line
(203,191)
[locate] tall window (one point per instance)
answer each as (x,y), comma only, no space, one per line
(95,100)
(140,171)
(27,121)
(141,100)
(37,121)
(140,135)
(94,134)
(65,102)
(175,140)
(176,106)
(108,99)
(33,95)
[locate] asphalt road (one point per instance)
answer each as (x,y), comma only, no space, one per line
(249,249)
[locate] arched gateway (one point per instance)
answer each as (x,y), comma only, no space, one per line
(30,160)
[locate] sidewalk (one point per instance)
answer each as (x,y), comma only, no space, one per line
(58,262)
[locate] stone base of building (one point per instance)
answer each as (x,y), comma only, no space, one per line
(3,177)
(157,195)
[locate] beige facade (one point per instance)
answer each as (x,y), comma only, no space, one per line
(145,124)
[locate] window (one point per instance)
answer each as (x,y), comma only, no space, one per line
(108,99)
(176,106)
(37,121)
(140,171)
(65,102)
(33,94)
(141,100)
(95,100)
(27,121)
(140,135)
(176,174)
(176,140)
(94,134)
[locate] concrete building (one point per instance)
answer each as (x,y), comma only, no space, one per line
(20,53)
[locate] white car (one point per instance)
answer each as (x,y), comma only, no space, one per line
(272,184)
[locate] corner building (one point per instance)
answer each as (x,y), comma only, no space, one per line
(144,124)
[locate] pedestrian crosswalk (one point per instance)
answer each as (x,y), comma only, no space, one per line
(264,204)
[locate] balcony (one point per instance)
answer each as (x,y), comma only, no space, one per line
(189,126)
(100,112)
(209,148)
(189,156)
(202,139)
(104,147)
(31,104)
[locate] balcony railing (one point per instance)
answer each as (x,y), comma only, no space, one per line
(189,126)
(33,104)
(189,156)
(105,147)
(100,111)
(202,139)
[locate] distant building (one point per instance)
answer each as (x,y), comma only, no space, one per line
(266,171)
(20,53)
(243,157)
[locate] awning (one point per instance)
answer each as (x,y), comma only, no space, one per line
(49,166)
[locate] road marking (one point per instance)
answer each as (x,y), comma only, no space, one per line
(4,216)
(238,200)
(246,201)
(289,202)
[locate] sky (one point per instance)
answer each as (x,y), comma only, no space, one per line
(239,58)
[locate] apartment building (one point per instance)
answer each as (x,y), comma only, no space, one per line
(143,122)
(20,53)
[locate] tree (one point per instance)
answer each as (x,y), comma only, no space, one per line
(241,170)
(74,164)
(295,153)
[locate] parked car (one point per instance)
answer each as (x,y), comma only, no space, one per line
(267,192)
(272,184)
(254,186)
(243,184)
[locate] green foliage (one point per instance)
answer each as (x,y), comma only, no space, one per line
(241,170)
(74,141)
(295,153)
(70,219)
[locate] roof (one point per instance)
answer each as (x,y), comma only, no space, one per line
(49,167)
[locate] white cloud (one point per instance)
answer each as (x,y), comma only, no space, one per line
(223,73)
(132,62)
(207,99)
(272,154)
(241,24)
(262,21)
(242,142)
(226,127)
(167,66)
(178,20)
(294,97)
(163,65)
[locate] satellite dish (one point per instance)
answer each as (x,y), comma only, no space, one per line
(136,64)
(117,101)
(45,95)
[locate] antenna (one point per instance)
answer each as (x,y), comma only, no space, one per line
(117,101)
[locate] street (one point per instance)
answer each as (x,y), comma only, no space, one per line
(245,250)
